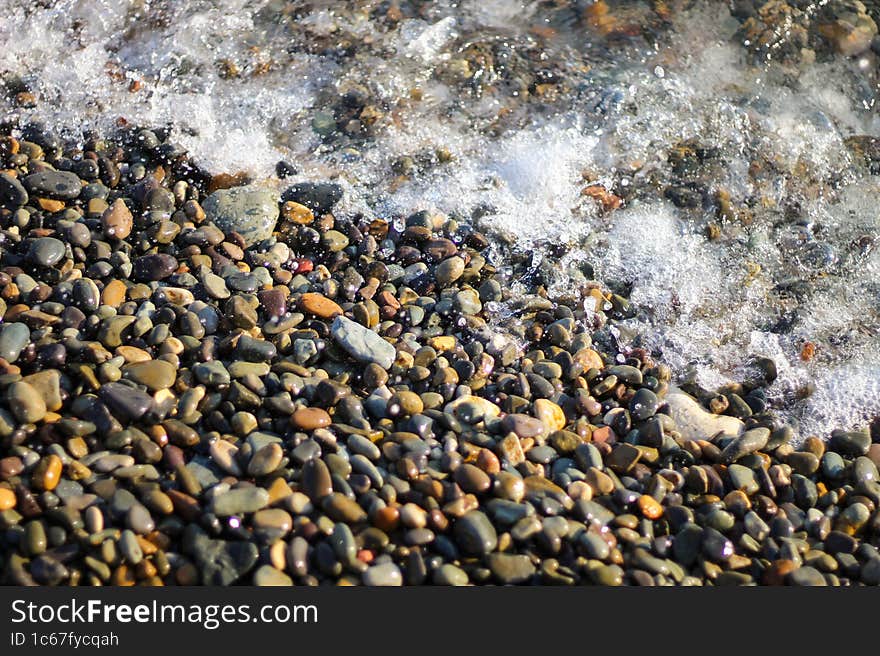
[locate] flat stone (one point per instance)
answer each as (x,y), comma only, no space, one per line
(475,533)
(154,374)
(212,373)
(472,409)
(319,305)
(110,332)
(310,418)
(13,338)
(215,286)
(46,251)
(448,574)
(157,266)
(362,343)
(125,402)
(117,220)
(220,562)
(320,197)
(342,509)
(25,402)
(47,383)
(511,568)
(622,458)
(695,422)
(266,460)
(749,442)
(12,192)
(850,443)
(268,576)
(60,185)
(807,576)
(250,211)
(240,501)
(384,575)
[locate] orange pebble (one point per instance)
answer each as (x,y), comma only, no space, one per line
(47,473)
(123,576)
(650,507)
(387,518)
(7,499)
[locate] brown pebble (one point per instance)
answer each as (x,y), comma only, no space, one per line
(113,294)
(297,213)
(7,499)
(47,473)
(319,305)
(117,220)
(778,570)
(387,518)
(11,466)
(273,301)
(310,418)
(123,576)
(472,479)
(488,462)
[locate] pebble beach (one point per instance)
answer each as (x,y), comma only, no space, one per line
(403,293)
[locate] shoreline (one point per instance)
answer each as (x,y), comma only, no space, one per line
(241,387)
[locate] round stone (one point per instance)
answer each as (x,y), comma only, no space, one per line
(46,251)
(7,499)
(25,402)
(250,211)
(117,220)
(448,574)
(157,266)
(60,185)
(511,568)
(310,418)
(268,576)
(472,479)
(550,414)
(475,533)
(643,404)
(319,305)
(362,343)
(224,454)
(240,501)
(139,520)
(13,338)
(449,270)
(384,575)
(153,374)
(47,473)
(266,460)
(276,521)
